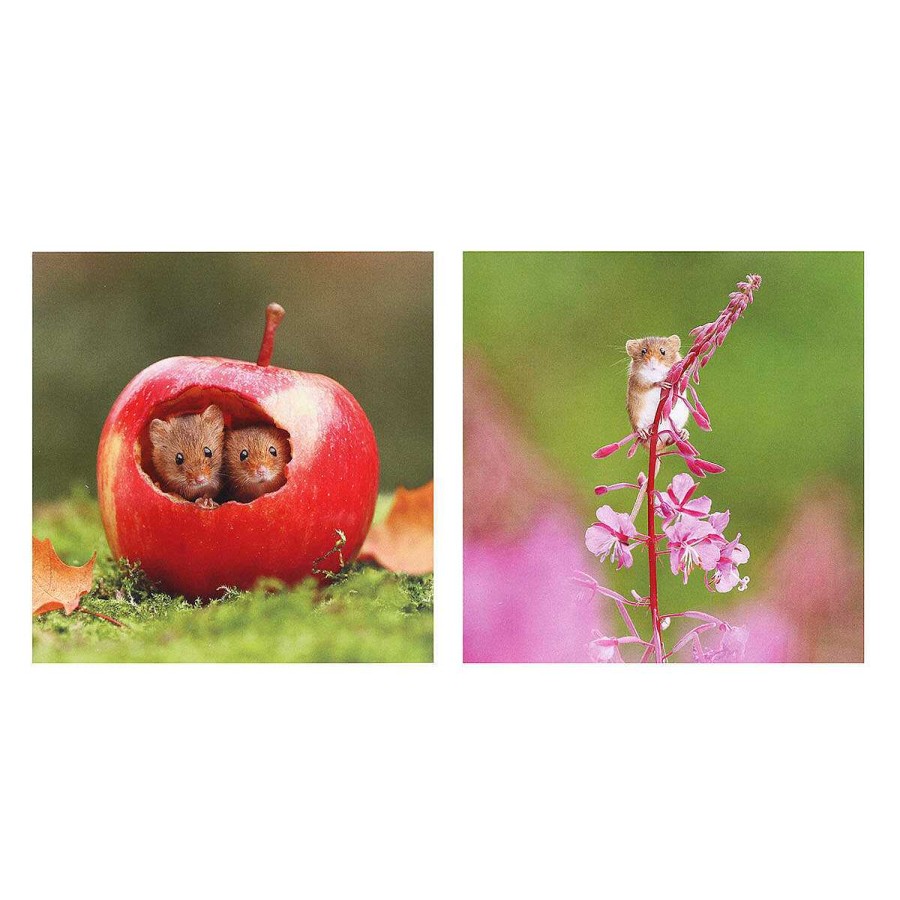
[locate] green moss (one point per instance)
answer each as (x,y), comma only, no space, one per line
(368,615)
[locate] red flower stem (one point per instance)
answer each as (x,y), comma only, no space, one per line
(651,531)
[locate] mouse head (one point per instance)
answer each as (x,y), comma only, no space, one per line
(657,354)
(187,452)
(255,458)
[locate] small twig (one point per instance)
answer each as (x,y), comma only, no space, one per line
(109,619)
(338,544)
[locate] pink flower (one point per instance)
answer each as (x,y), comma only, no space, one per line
(610,534)
(701,417)
(605,649)
(677,499)
(692,543)
(731,646)
(731,555)
(701,466)
(609,449)
(602,489)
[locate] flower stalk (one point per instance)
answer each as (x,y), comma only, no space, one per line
(694,535)
(651,533)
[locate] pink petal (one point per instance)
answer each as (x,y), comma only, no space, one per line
(692,465)
(740,554)
(709,556)
(728,578)
(698,507)
(682,487)
(598,540)
(607,516)
(684,448)
(608,450)
(626,526)
(695,530)
(674,560)
(719,520)
(704,414)
(700,419)
(711,467)
(625,559)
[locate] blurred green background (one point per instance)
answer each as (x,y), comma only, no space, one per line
(364,319)
(785,391)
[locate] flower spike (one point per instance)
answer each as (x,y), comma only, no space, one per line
(692,536)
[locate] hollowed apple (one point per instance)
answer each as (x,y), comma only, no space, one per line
(332,475)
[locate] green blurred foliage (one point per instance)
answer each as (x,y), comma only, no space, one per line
(364,319)
(785,391)
(366,615)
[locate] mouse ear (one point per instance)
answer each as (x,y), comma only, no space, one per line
(633,348)
(212,415)
(158,430)
(675,341)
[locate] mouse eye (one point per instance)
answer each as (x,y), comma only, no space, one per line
(207,452)
(273,451)
(179,458)
(244,454)
(662,351)
(644,351)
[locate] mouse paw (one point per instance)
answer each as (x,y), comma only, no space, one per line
(643,435)
(684,434)
(665,385)
(206,503)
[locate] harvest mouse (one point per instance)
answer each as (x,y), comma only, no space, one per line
(187,455)
(255,457)
(651,360)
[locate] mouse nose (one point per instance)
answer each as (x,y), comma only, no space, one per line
(199,478)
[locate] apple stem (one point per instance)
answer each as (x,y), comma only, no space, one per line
(274,315)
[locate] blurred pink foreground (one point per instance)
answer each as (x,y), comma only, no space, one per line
(521,543)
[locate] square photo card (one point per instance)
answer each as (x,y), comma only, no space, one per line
(232,457)
(663,457)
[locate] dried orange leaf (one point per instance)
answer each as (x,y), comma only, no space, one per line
(55,585)
(404,541)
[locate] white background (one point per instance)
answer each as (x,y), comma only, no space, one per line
(334,126)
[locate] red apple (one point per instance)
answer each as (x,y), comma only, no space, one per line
(332,476)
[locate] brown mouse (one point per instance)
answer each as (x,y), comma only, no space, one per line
(187,455)
(255,457)
(651,359)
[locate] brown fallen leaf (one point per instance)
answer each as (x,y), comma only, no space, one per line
(55,585)
(404,541)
